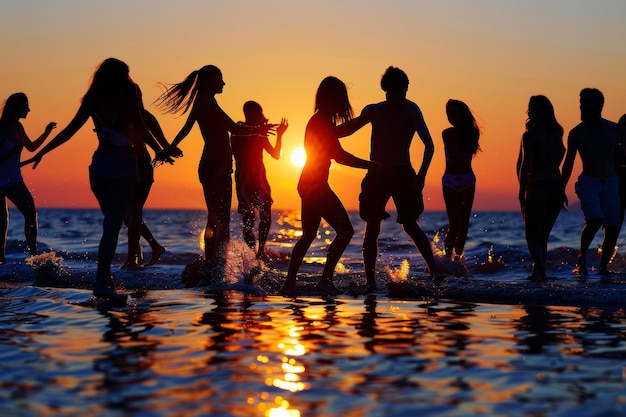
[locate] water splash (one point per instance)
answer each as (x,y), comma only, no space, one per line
(400,274)
(48,266)
(242,265)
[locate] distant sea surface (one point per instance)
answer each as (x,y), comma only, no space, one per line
(485,342)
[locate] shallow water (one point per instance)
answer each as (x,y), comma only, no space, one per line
(184,352)
(486,342)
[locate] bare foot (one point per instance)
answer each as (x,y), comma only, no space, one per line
(130,266)
(327,287)
(157,251)
(289,291)
(108,292)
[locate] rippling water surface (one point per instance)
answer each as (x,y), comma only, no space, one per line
(485,343)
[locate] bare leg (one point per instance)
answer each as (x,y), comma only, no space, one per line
(113,199)
(370,253)
(248,228)
(23,201)
(157,249)
(310,225)
(608,246)
(586,237)
(338,219)
(265,222)
(217,231)
(423,245)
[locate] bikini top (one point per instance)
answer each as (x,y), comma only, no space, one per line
(110,135)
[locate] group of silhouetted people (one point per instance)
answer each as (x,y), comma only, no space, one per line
(601,186)
(121,171)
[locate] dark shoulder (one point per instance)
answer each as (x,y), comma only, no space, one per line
(448,132)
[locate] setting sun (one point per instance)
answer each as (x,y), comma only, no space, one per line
(298,156)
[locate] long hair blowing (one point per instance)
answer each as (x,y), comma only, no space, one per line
(466,126)
(181,96)
(332,98)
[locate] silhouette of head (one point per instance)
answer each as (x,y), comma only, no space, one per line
(15,107)
(332,99)
(254,113)
(110,78)
(459,113)
(210,79)
(541,113)
(111,72)
(461,118)
(394,82)
(591,104)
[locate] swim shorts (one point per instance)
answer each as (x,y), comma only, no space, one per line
(599,199)
(398,183)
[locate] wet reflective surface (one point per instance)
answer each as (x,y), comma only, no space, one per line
(183,352)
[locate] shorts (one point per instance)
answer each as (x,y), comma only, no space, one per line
(253,194)
(112,164)
(398,183)
(599,200)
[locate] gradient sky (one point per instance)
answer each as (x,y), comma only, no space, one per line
(492,54)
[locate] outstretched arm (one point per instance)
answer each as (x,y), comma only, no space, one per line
(63,136)
(184,131)
(351,126)
(345,158)
(32,146)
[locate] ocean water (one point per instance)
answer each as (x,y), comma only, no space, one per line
(485,342)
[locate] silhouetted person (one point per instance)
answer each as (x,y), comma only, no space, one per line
(318,200)
(620,164)
(459,182)
(113,101)
(394,123)
(196,94)
(137,227)
(541,191)
(253,189)
(13,139)
(595,140)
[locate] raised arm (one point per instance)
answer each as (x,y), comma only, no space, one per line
(63,136)
(275,151)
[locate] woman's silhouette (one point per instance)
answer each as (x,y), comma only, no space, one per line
(541,190)
(459,182)
(318,200)
(113,101)
(13,139)
(196,94)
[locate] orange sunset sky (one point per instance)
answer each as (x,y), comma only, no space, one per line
(492,54)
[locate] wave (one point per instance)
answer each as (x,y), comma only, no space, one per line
(485,279)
